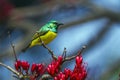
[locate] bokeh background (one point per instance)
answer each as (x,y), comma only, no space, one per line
(95,23)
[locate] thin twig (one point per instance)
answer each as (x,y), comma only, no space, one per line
(13,46)
(15,76)
(49,50)
(72,57)
(64,53)
(11,69)
(45,77)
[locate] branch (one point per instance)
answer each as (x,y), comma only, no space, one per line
(12,70)
(45,77)
(64,53)
(49,50)
(13,47)
(72,57)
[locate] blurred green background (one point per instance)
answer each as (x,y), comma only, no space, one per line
(95,23)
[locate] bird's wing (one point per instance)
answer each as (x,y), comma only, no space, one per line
(37,34)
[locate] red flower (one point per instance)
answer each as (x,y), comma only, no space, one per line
(53,68)
(67,73)
(60,58)
(40,68)
(79,72)
(17,65)
(79,60)
(25,65)
(34,67)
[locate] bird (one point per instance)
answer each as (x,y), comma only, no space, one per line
(47,33)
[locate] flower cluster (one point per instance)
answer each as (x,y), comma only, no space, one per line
(22,65)
(53,68)
(63,75)
(79,72)
(23,68)
(37,69)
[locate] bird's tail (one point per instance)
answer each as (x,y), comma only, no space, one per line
(24,49)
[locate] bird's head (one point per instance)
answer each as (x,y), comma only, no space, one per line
(53,25)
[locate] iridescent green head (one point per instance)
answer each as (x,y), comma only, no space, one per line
(53,25)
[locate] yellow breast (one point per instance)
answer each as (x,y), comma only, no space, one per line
(46,38)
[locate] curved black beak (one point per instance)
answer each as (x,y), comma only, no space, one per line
(59,24)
